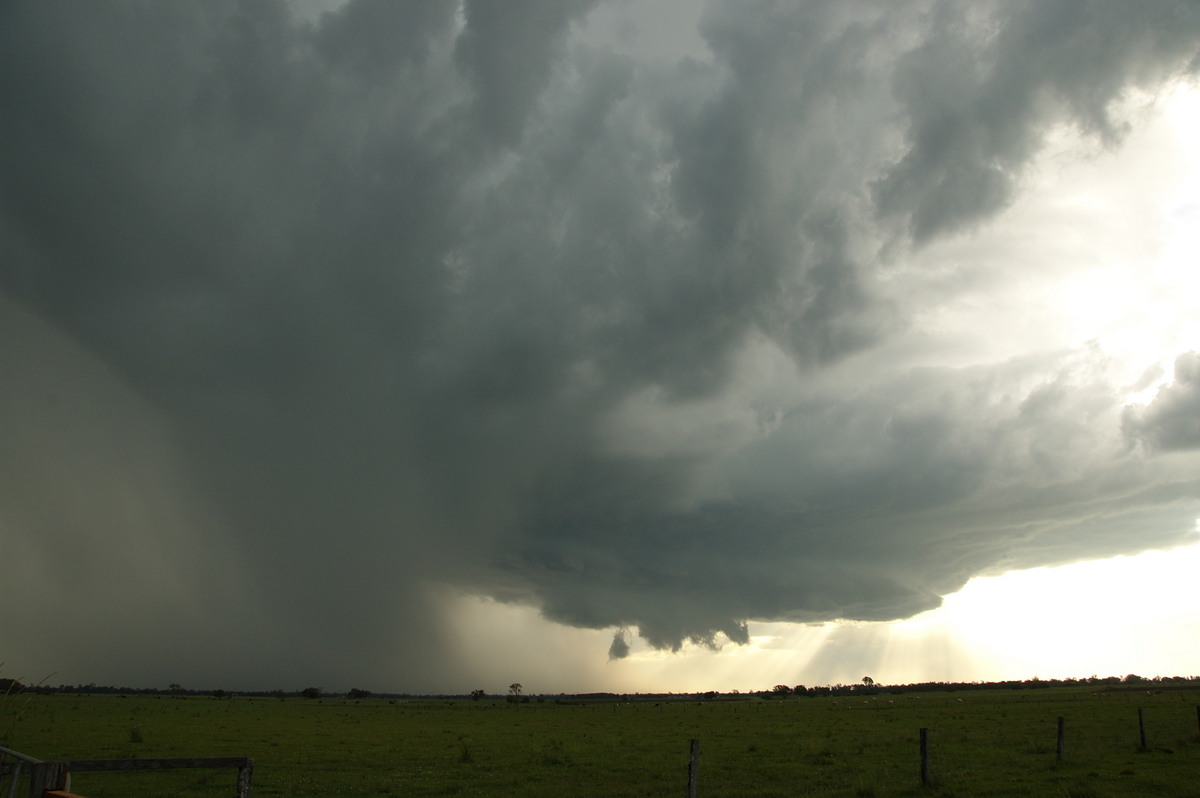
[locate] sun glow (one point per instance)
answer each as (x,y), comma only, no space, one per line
(1134,614)
(1136,214)
(1124,614)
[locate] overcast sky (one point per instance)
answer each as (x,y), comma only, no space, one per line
(385,343)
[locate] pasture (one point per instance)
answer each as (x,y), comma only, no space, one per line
(982,743)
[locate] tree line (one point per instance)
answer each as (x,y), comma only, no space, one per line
(516,692)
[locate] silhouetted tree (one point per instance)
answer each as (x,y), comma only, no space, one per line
(311,692)
(477,694)
(514,692)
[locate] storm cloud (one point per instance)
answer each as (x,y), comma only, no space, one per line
(310,316)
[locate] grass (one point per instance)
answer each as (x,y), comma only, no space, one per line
(995,743)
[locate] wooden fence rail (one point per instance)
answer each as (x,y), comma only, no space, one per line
(44,776)
(14,764)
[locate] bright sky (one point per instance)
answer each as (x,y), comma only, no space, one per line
(1140,302)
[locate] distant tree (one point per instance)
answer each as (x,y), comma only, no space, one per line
(477,694)
(176,688)
(311,692)
(781,690)
(220,694)
(514,692)
(799,690)
(868,681)
(356,693)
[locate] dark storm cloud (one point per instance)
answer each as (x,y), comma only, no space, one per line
(980,91)
(507,52)
(453,293)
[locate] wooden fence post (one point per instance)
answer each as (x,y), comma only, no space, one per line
(925,776)
(46,776)
(243,780)
(1142,727)
(1061,739)
(693,768)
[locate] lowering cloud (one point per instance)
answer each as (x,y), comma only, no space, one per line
(311,316)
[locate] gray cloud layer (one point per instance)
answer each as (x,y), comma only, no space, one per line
(310,314)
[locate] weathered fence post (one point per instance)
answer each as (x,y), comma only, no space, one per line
(1142,727)
(243,780)
(47,776)
(925,777)
(1061,739)
(1198,717)
(693,768)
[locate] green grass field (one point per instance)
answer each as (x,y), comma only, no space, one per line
(993,743)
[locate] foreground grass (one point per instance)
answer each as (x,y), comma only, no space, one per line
(982,744)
